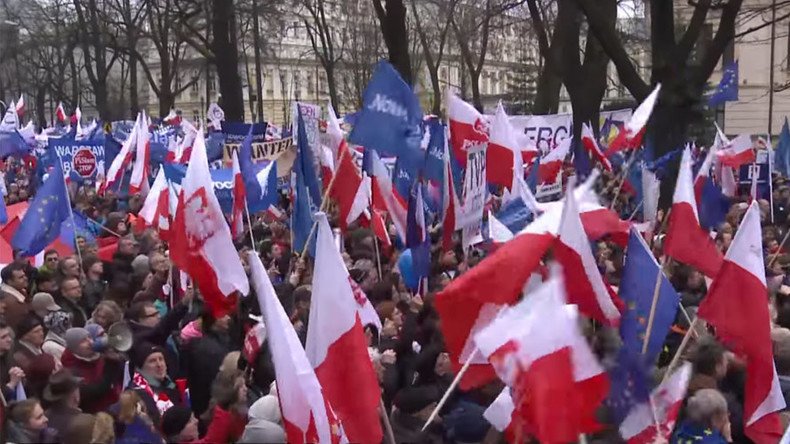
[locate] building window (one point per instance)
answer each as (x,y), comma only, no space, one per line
(269,82)
(310,85)
(284,92)
(195,115)
(210,81)
(443,73)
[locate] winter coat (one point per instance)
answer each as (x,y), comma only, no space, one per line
(16,305)
(159,334)
(54,345)
(202,358)
(101,380)
(160,388)
(19,434)
(78,316)
(225,427)
(60,418)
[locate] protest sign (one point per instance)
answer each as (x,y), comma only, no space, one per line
(470,214)
(546,131)
(82,157)
(761,169)
(261,150)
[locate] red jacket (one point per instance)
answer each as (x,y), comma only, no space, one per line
(100,386)
(225,427)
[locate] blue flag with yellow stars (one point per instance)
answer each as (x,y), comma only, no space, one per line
(636,291)
(42,221)
(727,91)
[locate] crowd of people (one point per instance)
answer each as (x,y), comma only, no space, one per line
(187,378)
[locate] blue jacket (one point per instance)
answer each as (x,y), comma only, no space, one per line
(691,433)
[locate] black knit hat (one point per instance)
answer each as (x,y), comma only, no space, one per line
(27,325)
(141,351)
(174,420)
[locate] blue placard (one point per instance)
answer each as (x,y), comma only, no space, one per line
(81,159)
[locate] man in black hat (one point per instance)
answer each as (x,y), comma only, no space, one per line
(62,394)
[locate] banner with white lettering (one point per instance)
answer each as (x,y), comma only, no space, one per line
(546,131)
(81,159)
(473,197)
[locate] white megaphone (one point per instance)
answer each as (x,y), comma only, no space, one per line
(119,336)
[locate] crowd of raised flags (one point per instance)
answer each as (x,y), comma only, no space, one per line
(514,317)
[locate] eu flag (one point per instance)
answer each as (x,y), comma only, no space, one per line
(42,221)
(782,152)
(3,212)
(727,91)
(636,290)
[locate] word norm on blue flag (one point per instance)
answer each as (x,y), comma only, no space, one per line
(42,221)
(391,116)
(636,290)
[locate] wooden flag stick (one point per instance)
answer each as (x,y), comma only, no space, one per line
(624,175)
(776,255)
(680,350)
(249,223)
(386,420)
(653,304)
(450,389)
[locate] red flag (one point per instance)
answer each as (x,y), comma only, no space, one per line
(737,307)
(142,159)
(156,212)
(630,137)
(503,147)
(590,144)
(551,163)
(239,199)
(653,421)
(202,245)
(737,152)
(307,416)
(348,191)
(686,240)
(467,127)
(585,284)
(60,113)
(539,352)
(336,344)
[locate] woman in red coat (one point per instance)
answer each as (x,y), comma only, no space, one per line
(227,413)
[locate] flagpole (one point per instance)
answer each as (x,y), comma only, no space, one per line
(376,249)
(680,349)
(323,205)
(624,174)
(249,222)
(450,389)
(386,420)
(778,251)
(653,304)
(71,213)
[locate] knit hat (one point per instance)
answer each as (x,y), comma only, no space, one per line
(142,350)
(74,336)
(27,325)
(174,420)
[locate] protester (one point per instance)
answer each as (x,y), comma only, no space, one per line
(265,421)
(62,395)
(227,413)
(71,300)
(43,304)
(14,292)
(101,374)
(179,426)
(56,323)
(30,338)
(151,382)
(28,423)
(10,374)
(203,357)
(708,421)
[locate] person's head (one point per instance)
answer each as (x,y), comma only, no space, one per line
(80,242)
(219,324)
(6,337)
(57,322)
(46,281)
(70,267)
(43,304)
(695,280)
(144,313)
(179,424)
(708,408)
(28,414)
(107,313)
(93,267)
(150,360)
(71,288)
(278,249)
(31,331)
(229,390)
(63,388)
(79,342)
(51,258)
(158,262)
(15,277)
(128,246)
(80,429)
(709,358)
(302,297)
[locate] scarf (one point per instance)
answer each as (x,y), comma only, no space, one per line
(13,292)
(161,400)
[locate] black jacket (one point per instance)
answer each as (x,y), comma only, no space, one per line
(78,316)
(159,335)
(201,359)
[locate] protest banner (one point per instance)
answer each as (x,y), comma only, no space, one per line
(473,196)
(546,131)
(762,170)
(82,157)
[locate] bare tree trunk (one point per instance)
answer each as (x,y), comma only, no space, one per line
(227,60)
(41,98)
(330,80)
(258,67)
(392,20)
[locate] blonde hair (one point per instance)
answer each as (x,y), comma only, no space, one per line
(103,429)
(130,406)
(230,364)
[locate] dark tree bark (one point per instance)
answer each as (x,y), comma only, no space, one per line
(94,43)
(433,59)
(547,96)
(226,56)
(325,46)
(392,21)
(41,112)
(682,75)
